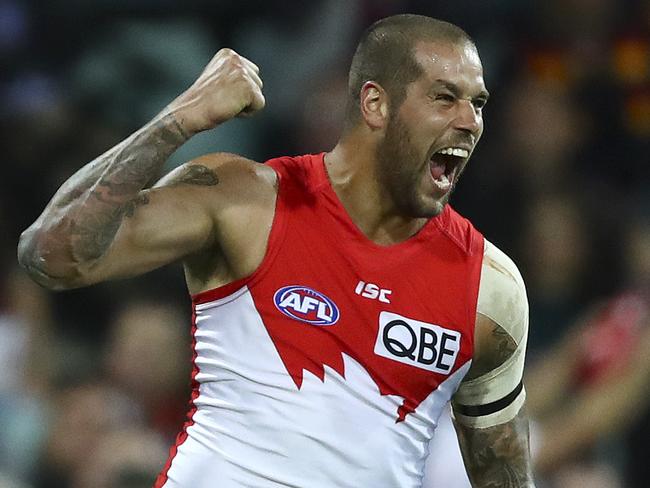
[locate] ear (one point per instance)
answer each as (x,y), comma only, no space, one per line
(373,104)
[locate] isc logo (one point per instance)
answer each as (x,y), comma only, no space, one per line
(372,291)
(416,343)
(307,305)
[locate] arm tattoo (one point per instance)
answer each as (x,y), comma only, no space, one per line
(91,205)
(505,344)
(99,230)
(501,347)
(497,457)
(197,174)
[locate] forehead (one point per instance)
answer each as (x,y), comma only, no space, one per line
(457,63)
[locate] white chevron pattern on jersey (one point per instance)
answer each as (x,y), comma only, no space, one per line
(254,428)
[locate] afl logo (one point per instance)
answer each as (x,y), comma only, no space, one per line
(306,305)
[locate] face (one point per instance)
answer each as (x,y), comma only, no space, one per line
(431,135)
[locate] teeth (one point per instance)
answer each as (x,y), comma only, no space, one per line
(443,182)
(454,151)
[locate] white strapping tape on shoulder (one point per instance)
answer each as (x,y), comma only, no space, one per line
(497,396)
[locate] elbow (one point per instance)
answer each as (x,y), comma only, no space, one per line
(39,261)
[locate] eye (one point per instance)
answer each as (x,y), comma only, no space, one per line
(446,97)
(479,103)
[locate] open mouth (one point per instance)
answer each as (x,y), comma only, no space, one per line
(444,165)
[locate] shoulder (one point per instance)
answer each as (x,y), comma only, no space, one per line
(500,338)
(502,265)
(231,174)
(239,195)
(461,231)
(502,293)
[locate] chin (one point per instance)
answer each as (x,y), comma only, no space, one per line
(438,208)
(432,207)
(428,208)
(435,209)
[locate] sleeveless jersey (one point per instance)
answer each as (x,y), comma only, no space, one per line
(330,365)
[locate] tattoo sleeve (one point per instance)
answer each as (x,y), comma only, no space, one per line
(497,457)
(86,212)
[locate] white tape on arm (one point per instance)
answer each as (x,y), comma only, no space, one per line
(497,396)
(493,398)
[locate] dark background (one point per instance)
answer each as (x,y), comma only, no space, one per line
(559,182)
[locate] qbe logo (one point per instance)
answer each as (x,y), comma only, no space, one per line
(306,304)
(425,346)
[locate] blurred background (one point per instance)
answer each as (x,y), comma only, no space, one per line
(94,383)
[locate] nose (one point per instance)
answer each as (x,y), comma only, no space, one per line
(468,117)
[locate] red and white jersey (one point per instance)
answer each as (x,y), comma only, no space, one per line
(330,365)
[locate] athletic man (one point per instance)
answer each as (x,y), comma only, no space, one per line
(339,302)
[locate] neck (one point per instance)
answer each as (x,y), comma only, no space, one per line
(353,171)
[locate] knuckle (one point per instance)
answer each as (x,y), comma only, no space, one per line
(229,57)
(254,87)
(235,59)
(242,75)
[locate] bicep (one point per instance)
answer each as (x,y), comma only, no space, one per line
(187,211)
(489,415)
(161,225)
(493,390)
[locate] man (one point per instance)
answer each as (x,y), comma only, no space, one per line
(338,300)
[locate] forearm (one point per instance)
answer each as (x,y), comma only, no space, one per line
(72,237)
(499,456)
(81,220)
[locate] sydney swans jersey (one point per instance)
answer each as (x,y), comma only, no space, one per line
(329,366)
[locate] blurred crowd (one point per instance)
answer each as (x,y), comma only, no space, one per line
(94,383)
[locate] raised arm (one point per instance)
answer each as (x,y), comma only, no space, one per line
(94,227)
(488,408)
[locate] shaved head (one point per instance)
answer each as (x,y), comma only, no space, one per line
(385,55)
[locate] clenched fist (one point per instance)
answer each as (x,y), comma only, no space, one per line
(228,86)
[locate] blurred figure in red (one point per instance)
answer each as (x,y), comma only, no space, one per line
(595,385)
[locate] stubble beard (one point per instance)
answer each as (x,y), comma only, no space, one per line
(400,172)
